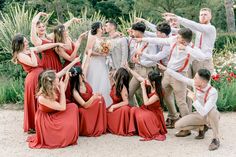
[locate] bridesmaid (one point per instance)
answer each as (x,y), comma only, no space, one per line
(148,120)
(31,65)
(56,122)
(50,59)
(118,114)
(92,108)
(69,53)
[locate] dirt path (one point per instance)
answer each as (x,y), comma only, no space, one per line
(12,142)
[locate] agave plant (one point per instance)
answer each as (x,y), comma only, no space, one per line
(125,24)
(85,24)
(18,20)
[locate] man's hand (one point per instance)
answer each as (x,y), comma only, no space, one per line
(135,59)
(138,19)
(161,67)
(191,95)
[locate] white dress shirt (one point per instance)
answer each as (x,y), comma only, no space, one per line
(205,35)
(203,106)
(178,57)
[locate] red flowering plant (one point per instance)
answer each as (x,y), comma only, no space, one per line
(224,75)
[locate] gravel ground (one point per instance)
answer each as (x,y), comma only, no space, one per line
(12,142)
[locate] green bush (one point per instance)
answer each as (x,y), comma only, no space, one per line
(227,97)
(12,91)
(225,41)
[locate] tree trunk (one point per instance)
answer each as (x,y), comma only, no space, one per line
(230,15)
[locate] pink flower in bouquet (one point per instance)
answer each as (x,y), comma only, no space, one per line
(229,79)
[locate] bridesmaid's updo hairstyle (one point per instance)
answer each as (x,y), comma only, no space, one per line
(58,34)
(95,26)
(17,46)
(46,86)
(75,72)
(155,78)
(121,79)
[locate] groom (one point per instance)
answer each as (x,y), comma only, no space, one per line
(119,51)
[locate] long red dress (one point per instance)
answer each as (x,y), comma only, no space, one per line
(55,129)
(93,120)
(30,101)
(69,52)
(148,121)
(50,59)
(118,120)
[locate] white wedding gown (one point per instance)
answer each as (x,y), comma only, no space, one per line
(98,75)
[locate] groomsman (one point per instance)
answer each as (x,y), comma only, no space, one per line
(204,101)
(181,55)
(162,31)
(172,22)
(142,65)
(119,51)
(205,37)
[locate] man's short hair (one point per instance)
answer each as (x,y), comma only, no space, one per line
(164,27)
(205,74)
(112,23)
(206,9)
(139,26)
(186,34)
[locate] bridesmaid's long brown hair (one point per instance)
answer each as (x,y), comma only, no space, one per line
(17,46)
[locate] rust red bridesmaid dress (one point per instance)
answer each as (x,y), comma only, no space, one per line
(93,120)
(69,52)
(30,101)
(55,129)
(50,59)
(118,120)
(148,121)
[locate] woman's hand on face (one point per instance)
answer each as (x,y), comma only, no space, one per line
(143,83)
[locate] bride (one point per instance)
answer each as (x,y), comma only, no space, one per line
(97,73)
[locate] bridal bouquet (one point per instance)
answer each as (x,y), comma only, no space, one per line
(105,47)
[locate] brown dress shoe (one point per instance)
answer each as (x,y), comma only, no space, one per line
(201,133)
(215,144)
(183,133)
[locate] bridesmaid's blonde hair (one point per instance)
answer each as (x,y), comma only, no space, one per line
(46,86)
